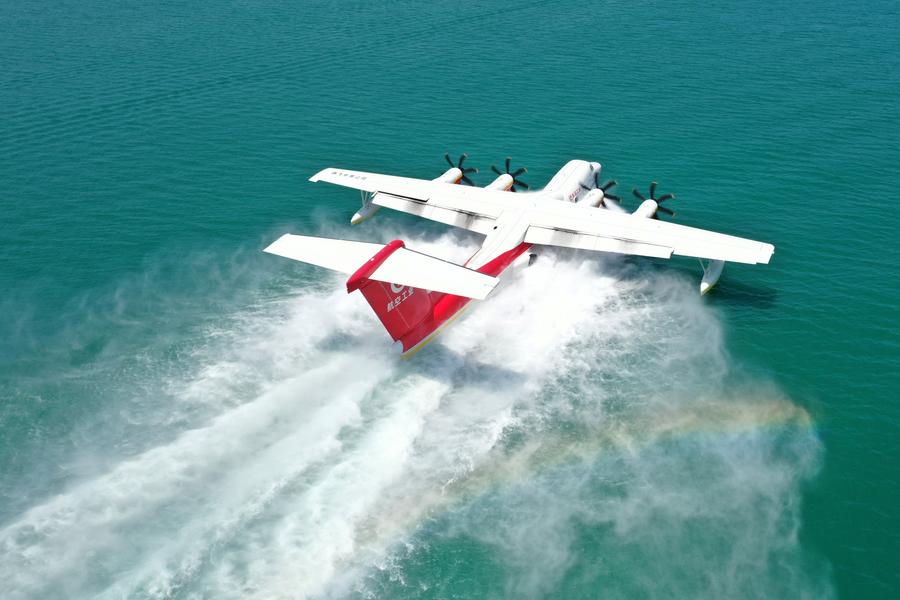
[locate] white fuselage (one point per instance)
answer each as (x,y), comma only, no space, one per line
(572,181)
(575,182)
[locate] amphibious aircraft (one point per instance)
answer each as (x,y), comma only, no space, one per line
(415,295)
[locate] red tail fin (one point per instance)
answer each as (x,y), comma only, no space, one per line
(399,307)
(410,314)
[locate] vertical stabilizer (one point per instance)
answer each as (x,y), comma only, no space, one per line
(401,285)
(399,307)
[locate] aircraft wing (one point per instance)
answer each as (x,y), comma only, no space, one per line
(579,226)
(470,208)
(551,222)
(449,213)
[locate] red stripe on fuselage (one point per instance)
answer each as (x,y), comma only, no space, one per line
(448,305)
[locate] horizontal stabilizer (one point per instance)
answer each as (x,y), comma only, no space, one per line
(403,266)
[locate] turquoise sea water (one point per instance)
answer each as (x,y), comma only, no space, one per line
(182,416)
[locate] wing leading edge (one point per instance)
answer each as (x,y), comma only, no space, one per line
(466,207)
(551,222)
(637,235)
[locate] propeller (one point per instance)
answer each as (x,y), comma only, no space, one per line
(604,187)
(459,165)
(659,201)
(514,174)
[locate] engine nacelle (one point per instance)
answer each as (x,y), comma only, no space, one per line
(647,209)
(502,183)
(610,204)
(593,198)
(453,175)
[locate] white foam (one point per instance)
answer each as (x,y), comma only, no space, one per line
(324,453)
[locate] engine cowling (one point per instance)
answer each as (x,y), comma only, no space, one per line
(652,206)
(647,209)
(502,183)
(610,204)
(593,198)
(598,199)
(452,175)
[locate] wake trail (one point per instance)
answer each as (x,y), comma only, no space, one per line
(324,454)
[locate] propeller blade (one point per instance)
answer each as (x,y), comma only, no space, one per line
(466,180)
(462,157)
(470,170)
(508,160)
(584,187)
(669,212)
(496,170)
(447,158)
(609,184)
(653,190)
(638,194)
(665,197)
(521,183)
(518,172)
(612,197)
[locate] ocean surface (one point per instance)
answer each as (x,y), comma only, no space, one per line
(183,416)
